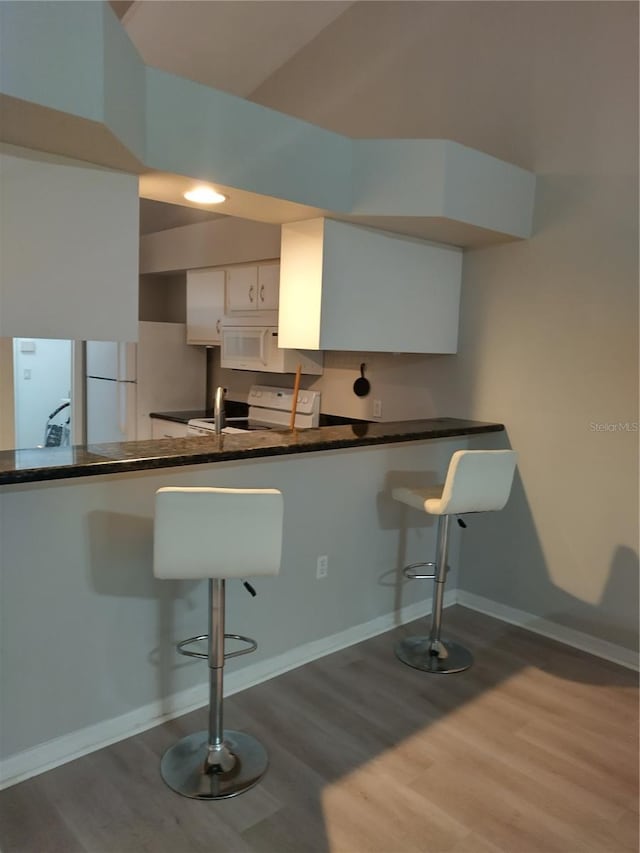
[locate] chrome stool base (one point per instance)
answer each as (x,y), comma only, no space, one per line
(421,653)
(183,766)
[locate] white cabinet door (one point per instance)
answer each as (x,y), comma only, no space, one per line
(242,288)
(349,288)
(268,287)
(205,305)
(167,429)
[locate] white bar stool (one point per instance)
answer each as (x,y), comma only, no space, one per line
(216,534)
(477,481)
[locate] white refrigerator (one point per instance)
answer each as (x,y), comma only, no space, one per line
(127,381)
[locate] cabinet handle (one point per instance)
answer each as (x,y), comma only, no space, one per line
(251,294)
(218,326)
(262,293)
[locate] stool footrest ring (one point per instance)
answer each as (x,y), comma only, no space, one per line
(409,572)
(412,576)
(251,646)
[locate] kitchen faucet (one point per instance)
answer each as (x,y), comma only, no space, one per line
(218,410)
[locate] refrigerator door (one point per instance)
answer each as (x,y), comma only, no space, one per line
(111,411)
(111,360)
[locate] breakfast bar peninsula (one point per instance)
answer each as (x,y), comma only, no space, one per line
(88,635)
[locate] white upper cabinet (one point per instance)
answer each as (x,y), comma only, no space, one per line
(242,288)
(246,293)
(348,287)
(253,287)
(205,306)
(268,287)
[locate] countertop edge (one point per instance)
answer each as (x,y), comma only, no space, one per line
(398,433)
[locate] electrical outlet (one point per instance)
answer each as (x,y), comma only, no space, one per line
(377,408)
(322,567)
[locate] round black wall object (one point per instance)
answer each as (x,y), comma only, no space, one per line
(361,386)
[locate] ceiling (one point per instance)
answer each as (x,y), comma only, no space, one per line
(160,216)
(230,45)
(498,77)
(233,45)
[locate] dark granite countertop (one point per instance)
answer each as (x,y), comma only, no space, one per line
(58,463)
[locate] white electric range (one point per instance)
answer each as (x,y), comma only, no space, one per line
(269,408)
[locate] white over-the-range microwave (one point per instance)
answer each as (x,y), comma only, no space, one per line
(256,348)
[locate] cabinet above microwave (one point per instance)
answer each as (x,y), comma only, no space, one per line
(252,288)
(244,294)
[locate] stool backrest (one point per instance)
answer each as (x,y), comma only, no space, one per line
(477,481)
(217,533)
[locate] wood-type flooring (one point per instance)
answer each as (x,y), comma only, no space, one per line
(532,750)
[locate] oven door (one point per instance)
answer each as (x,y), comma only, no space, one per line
(244,347)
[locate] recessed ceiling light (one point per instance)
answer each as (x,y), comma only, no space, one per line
(205,195)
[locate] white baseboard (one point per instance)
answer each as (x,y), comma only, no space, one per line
(46,756)
(552,630)
(53,753)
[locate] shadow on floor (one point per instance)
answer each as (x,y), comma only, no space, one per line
(363,752)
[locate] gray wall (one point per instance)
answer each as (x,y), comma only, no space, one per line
(68,267)
(87,634)
(549,338)
(550,344)
(163,298)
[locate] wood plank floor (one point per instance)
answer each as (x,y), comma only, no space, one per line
(533,750)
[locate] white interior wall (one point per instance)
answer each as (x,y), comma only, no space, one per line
(42,381)
(550,335)
(69,237)
(549,326)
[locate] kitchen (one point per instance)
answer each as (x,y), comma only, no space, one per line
(125,383)
(531,311)
(335,374)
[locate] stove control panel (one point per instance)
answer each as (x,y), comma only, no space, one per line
(273,405)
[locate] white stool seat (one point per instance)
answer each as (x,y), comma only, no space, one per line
(418,497)
(476,481)
(217,534)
